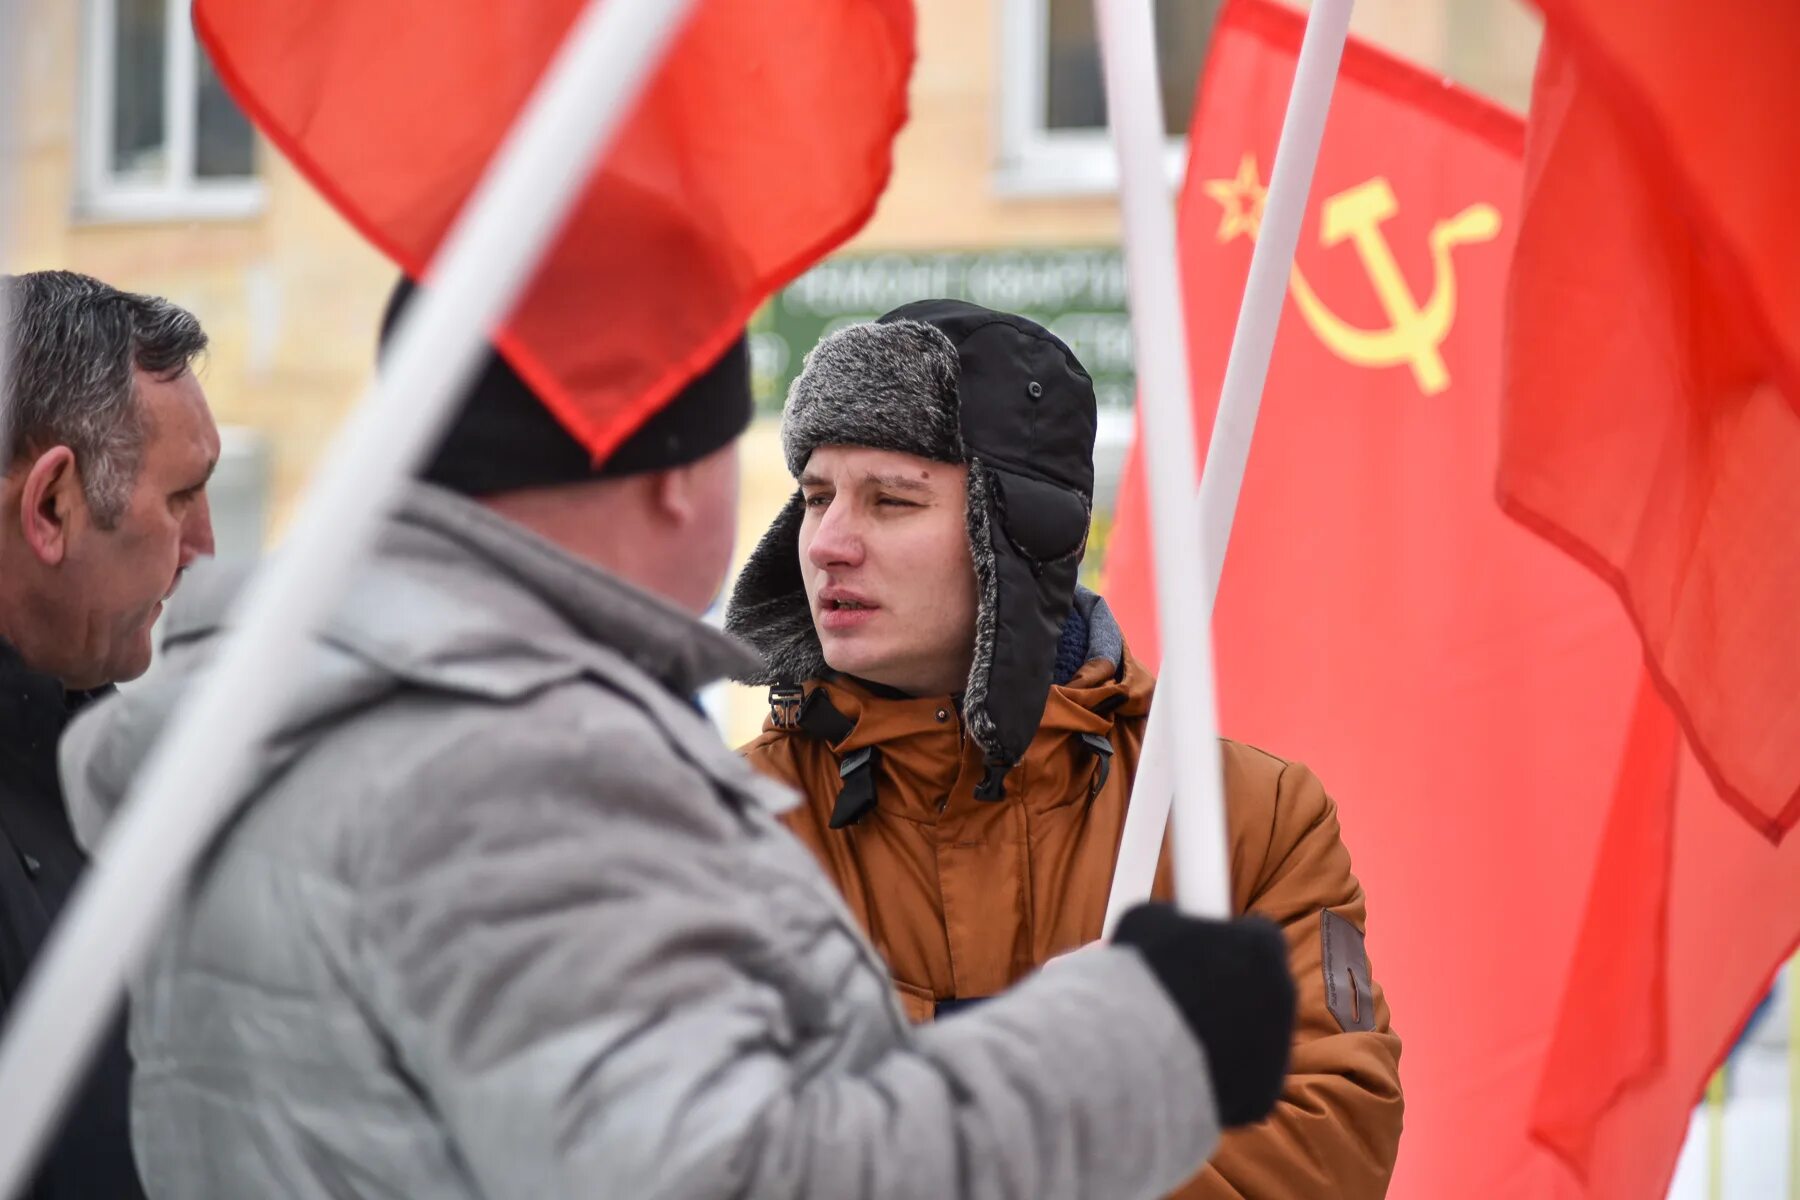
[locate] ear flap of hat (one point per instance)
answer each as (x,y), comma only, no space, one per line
(1026,536)
(768,606)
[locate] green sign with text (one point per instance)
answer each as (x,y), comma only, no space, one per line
(1079,294)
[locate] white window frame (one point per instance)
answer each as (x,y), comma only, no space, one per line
(1033,160)
(101,195)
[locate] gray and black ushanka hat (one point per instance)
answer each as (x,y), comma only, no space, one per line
(957,383)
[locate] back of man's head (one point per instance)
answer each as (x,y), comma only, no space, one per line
(72,346)
(659,510)
(504,439)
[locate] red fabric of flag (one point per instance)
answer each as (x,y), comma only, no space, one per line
(1651,428)
(1572,929)
(1463,688)
(1652,421)
(763,142)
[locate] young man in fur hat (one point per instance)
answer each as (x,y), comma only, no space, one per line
(965,722)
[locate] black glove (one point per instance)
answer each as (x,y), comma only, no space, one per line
(1230,980)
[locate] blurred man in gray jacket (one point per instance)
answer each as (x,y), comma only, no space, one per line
(504,918)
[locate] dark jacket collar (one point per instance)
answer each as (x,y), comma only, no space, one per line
(34,707)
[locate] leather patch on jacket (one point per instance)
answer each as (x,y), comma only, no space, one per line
(1349,991)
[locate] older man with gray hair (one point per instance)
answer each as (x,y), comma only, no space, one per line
(106,447)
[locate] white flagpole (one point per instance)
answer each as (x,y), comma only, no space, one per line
(1160,767)
(202,764)
(1165,410)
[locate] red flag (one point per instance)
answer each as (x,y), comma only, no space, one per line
(763,142)
(1652,429)
(1463,688)
(1652,419)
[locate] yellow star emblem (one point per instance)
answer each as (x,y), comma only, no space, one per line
(1241,199)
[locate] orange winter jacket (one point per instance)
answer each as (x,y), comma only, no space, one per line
(964,897)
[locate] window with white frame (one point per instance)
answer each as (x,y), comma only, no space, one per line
(160,137)
(1053,135)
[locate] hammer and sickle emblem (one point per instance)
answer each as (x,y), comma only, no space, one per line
(1415,332)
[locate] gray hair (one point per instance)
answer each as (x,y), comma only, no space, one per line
(71,347)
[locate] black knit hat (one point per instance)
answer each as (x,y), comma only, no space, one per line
(503,439)
(955,382)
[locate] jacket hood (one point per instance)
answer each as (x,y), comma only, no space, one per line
(455,599)
(955,382)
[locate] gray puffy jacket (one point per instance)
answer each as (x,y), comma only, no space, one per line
(504,918)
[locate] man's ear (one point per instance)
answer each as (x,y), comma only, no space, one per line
(674,493)
(48,500)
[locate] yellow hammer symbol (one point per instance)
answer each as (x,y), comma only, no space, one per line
(1415,333)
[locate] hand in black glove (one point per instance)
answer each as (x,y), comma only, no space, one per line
(1230,980)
